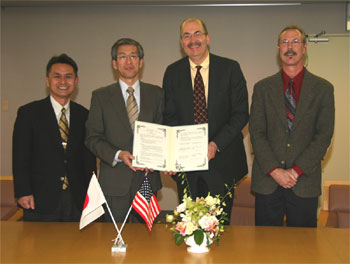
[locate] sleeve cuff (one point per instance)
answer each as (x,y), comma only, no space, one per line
(116,160)
(298,170)
(269,173)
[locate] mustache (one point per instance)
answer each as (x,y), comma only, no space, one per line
(193,43)
(290,52)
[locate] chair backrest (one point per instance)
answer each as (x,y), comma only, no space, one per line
(339,198)
(243,197)
(7,193)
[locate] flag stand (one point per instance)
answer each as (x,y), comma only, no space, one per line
(93,210)
(119,245)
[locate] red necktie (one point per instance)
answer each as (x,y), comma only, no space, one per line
(199,103)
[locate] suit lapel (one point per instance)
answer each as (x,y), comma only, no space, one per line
(118,104)
(50,123)
(73,125)
(144,101)
(186,91)
(214,67)
(277,98)
(305,98)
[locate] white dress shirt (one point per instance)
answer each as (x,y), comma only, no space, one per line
(124,87)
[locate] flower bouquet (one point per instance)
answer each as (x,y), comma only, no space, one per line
(198,222)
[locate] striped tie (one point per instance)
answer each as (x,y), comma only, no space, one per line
(64,131)
(290,102)
(131,107)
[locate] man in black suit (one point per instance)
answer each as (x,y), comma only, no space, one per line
(226,109)
(51,165)
(110,127)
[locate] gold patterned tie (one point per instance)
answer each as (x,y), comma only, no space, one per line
(131,107)
(64,131)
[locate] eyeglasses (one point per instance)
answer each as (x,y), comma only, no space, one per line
(294,42)
(123,57)
(195,35)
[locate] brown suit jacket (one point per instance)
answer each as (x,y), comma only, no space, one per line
(304,145)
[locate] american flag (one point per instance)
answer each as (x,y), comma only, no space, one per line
(146,204)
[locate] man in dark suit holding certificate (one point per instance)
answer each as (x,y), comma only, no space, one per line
(205,88)
(113,112)
(291,127)
(51,165)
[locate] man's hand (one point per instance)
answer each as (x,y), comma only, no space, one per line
(169,173)
(294,173)
(285,178)
(127,158)
(27,202)
(148,170)
(212,148)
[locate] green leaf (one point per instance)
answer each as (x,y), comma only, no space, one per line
(198,236)
(178,239)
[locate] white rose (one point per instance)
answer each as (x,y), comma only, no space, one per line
(181,208)
(210,201)
(204,222)
(208,222)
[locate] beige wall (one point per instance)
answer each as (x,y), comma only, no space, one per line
(331,61)
(31,35)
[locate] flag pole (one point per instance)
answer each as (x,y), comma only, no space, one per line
(126,217)
(120,232)
(109,210)
(115,225)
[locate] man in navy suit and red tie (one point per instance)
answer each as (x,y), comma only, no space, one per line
(291,126)
(51,165)
(205,88)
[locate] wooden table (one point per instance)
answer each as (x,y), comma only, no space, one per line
(65,243)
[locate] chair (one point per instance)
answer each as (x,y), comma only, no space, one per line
(8,203)
(339,206)
(243,212)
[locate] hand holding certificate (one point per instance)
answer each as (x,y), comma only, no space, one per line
(164,148)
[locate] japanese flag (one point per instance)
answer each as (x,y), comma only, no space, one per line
(93,203)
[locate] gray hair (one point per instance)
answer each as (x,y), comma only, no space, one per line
(126,41)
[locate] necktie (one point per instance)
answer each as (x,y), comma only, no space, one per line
(64,131)
(131,107)
(290,102)
(199,103)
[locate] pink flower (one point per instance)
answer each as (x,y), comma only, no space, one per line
(181,227)
(208,223)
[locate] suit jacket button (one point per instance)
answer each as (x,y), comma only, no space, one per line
(65,161)
(282,162)
(288,145)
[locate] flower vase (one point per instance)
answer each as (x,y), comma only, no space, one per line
(194,248)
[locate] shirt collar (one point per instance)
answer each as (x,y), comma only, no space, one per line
(124,86)
(204,64)
(57,107)
(297,79)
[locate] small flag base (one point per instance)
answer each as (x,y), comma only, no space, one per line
(119,248)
